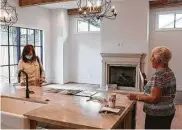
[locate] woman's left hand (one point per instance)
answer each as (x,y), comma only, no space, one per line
(132,96)
(42,80)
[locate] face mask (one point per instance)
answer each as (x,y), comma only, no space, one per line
(28,57)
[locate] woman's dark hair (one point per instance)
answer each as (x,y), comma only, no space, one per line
(26,51)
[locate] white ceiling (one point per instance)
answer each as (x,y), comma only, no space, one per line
(66,5)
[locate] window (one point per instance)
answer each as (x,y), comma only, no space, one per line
(84,26)
(170,21)
(13,41)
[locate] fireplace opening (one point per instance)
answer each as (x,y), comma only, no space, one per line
(122,76)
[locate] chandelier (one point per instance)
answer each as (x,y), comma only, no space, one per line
(94,11)
(8,15)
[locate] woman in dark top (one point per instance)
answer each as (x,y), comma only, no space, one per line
(159,92)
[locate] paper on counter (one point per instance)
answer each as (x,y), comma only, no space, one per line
(108,109)
(86,93)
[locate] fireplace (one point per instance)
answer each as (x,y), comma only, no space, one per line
(123,70)
(123,76)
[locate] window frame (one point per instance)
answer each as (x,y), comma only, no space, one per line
(167,29)
(18,45)
(83,32)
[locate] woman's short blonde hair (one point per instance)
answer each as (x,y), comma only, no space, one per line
(162,55)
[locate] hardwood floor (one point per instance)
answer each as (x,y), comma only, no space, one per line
(140,115)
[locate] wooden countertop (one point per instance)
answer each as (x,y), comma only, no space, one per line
(70,111)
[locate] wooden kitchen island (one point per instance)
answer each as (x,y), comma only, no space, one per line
(67,111)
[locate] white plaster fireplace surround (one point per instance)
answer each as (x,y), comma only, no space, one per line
(123,59)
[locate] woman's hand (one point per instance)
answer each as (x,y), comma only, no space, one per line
(132,96)
(42,80)
(22,84)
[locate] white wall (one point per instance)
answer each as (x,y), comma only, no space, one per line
(66,50)
(129,32)
(60,46)
(130,28)
(36,18)
(171,39)
(85,55)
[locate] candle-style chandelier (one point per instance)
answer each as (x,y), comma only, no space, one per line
(8,15)
(94,11)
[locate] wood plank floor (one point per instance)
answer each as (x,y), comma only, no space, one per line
(140,115)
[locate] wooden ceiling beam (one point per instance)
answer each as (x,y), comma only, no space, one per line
(77,12)
(165,3)
(24,3)
(153,4)
(73,11)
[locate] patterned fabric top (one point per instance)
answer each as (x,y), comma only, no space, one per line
(165,79)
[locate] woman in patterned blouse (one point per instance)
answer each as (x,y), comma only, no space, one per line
(159,92)
(31,64)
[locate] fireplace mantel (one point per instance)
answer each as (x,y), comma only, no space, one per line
(124,55)
(123,59)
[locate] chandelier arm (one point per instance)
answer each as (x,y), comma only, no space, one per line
(113,14)
(95,23)
(3,2)
(108,6)
(102,3)
(105,5)
(107,9)
(10,16)
(111,17)
(90,12)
